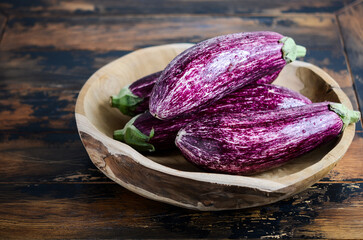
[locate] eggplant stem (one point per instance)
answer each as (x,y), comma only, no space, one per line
(125,101)
(291,51)
(348,116)
(134,137)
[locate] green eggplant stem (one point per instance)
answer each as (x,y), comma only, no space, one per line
(133,137)
(348,116)
(291,51)
(125,101)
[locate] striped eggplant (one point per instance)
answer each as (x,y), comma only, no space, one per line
(134,98)
(146,133)
(218,66)
(245,143)
(269,78)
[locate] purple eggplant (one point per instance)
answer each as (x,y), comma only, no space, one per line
(134,99)
(269,78)
(218,66)
(146,133)
(245,143)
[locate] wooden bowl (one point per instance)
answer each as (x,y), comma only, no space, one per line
(168,177)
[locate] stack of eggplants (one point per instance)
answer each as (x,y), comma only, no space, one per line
(216,103)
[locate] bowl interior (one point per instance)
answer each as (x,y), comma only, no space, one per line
(111,78)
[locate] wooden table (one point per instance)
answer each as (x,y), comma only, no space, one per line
(48,186)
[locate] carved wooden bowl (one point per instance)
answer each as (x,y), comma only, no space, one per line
(168,177)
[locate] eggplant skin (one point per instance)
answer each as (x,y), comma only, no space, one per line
(250,98)
(269,78)
(214,68)
(245,143)
(143,86)
(134,99)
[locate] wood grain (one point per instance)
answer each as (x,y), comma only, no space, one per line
(51,68)
(3,20)
(58,211)
(336,222)
(350,167)
(130,32)
(28,109)
(112,7)
(46,157)
(39,88)
(350,22)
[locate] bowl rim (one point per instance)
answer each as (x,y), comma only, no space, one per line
(268,185)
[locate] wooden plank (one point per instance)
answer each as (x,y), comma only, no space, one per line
(349,168)
(39,88)
(52,69)
(3,20)
(46,157)
(30,109)
(337,222)
(61,157)
(128,33)
(228,7)
(335,65)
(350,22)
(58,211)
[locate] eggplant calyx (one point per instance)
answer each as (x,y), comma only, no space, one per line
(125,101)
(291,51)
(348,116)
(134,137)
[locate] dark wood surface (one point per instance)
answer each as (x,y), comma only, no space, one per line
(350,20)
(49,189)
